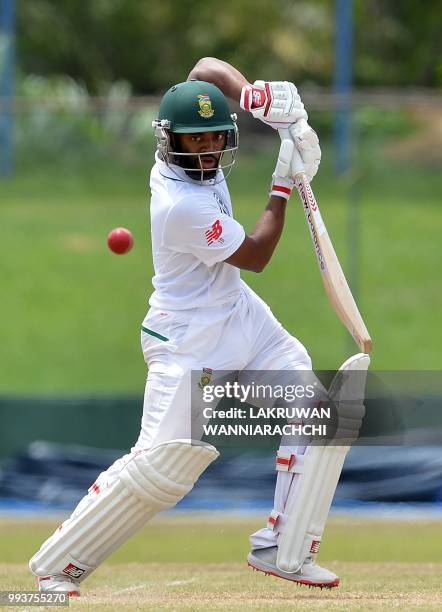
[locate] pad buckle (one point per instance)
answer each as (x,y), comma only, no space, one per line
(272,520)
(285,461)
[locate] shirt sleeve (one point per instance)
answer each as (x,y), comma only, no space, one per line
(196,226)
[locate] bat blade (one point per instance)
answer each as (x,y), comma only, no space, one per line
(333,277)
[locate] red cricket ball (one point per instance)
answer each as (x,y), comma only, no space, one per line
(120,240)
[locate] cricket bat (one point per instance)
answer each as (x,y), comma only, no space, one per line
(333,277)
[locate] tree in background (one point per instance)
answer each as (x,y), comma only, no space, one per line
(152,43)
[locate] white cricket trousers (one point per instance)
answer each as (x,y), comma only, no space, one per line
(240,334)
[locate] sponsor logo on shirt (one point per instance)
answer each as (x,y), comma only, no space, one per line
(223,207)
(214,233)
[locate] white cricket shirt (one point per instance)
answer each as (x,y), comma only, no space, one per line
(193,232)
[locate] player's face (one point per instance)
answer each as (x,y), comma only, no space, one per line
(202,142)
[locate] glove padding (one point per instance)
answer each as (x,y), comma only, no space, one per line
(276,103)
(282,180)
(299,152)
(307,144)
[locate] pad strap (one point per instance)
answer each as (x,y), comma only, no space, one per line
(277,521)
(289,462)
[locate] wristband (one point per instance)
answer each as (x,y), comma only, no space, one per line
(281,187)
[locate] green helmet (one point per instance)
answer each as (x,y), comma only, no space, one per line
(195,106)
(191,107)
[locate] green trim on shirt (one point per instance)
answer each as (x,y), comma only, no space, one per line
(152,333)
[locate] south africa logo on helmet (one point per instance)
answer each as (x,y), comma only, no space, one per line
(205,104)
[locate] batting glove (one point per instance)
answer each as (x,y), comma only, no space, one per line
(307,144)
(282,180)
(276,103)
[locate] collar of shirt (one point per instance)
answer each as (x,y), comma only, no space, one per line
(177,173)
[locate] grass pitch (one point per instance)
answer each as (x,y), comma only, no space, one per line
(192,563)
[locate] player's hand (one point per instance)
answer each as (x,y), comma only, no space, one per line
(307,144)
(277,103)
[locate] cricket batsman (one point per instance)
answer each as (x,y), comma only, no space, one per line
(204,318)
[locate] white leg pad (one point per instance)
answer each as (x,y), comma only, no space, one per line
(302,524)
(149,481)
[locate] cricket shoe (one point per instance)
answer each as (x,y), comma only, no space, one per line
(310,574)
(58,584)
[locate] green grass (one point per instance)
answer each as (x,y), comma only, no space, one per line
(192,563)
(71,310)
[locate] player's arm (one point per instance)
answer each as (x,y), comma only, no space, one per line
(257,248)
(223,75)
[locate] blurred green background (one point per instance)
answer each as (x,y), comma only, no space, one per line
(88,80)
